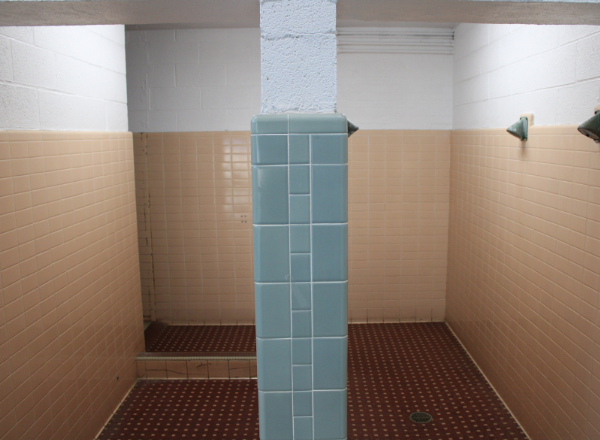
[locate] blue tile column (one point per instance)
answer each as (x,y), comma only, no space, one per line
(300,212)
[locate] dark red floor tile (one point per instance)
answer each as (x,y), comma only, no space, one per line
(187,409)
(397,369)
(393,370)
(206,338)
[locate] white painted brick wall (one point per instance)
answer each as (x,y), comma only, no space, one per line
(193,79)
(63,78)
(221,90)
(379,91)
(298,56)
(502,71)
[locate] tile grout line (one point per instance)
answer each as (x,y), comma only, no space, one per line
(164,185)
(290,282)
(214,190)
(201,263)
(184,255)
(312,302)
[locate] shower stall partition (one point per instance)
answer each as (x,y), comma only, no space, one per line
(300,212)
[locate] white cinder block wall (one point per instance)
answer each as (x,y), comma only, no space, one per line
(390,91)
(210,80)
(63,78)
(502,71)
(193,79)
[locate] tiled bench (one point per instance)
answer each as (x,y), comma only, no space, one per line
(196,367)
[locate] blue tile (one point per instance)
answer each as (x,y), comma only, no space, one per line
(271,254)
(330,309)
(303,428)
(269,124)
(273,316)
(269,149)
(301,296)
(330,252)
(330,363)
(302,380)
(301,324)
(300,239)
(300,267)
(301,352)
(330,417)
(299,148)
(274,364)
(299,209)
(330,194)
(275,416)
(318,123)
(329,148)
(300,179)
(270,195)
(302,402)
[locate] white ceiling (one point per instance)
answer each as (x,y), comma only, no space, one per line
(245,13)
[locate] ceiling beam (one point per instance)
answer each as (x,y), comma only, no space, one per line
(353,12)
(245,13)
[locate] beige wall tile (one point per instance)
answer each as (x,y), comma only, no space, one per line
(197,369)
(239,369)
(69,281)
(393,212)
(141,369)
(218,369)
(253,368)
(193,195)
(156,369)
(523,273)
(177,369)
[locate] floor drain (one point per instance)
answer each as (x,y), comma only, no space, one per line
(420,417)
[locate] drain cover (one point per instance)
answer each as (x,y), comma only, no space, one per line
(420,417)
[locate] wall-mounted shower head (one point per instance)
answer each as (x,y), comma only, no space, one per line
(591,127)
(352,128)
(520,129)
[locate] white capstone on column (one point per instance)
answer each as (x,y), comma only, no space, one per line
(298,56)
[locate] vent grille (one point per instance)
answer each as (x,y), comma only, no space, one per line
(396,40)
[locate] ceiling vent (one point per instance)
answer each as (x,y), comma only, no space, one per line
(395,40)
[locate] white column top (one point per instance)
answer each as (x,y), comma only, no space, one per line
(298,56)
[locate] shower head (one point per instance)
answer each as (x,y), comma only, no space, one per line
(352,128)
(591,127)
(520,129)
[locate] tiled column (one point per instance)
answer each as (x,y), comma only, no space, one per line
(300,211)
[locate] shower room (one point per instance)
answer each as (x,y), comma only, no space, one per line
(300,220)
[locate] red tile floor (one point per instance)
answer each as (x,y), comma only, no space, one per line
(203,339)
(397,369)
(393,370)
(187,409)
